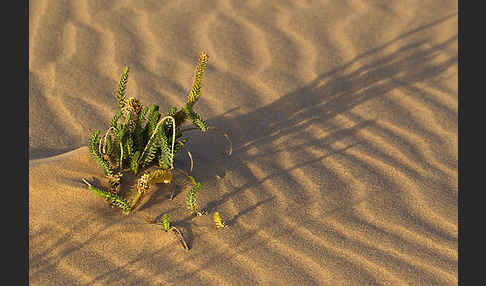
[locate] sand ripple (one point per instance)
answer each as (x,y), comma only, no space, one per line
(343,118)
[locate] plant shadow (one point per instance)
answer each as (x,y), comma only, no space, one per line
(287,126)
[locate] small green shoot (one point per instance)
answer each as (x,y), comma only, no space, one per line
(165,222)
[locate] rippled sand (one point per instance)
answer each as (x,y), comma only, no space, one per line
(343,117)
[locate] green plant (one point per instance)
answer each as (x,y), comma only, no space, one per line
(142,141)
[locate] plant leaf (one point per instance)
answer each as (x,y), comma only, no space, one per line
(122,86)
(113,198)
(218,221)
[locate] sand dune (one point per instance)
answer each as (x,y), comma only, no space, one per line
(343,117)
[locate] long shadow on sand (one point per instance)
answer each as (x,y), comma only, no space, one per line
(281,127)
(260,136)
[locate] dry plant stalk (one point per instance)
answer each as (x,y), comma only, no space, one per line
(166,226)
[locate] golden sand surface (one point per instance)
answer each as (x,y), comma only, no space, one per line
(343,117)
